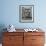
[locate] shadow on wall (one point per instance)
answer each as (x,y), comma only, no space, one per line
(2,26)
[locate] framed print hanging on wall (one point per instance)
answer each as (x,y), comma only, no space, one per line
(26,13)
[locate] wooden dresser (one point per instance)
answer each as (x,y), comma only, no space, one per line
(23,38)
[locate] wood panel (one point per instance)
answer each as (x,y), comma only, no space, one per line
(13,39)
(34,39)
(27,41)
(38,39)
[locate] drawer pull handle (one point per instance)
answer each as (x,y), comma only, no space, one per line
(33,39)
(10,38)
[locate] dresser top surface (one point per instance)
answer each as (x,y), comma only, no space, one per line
(22,30)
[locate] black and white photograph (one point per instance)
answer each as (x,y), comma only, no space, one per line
(26,13)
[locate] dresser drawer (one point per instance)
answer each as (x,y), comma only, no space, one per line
(13,33)
(37,44)
(34,33)
(37,39)
(27,41)
(13,44)
(12,39)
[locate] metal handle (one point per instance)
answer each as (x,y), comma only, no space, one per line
(33,39)
(10,38)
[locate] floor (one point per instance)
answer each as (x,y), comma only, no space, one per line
(0,44)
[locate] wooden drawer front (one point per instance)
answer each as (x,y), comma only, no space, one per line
(27,41)
(33,33)
(12,39)
(37,39)
(18,44)
(33,40)
(37,45)
(8,45)
(13,33)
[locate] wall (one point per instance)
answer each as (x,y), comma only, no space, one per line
(10,13)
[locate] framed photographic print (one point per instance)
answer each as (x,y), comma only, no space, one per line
(26,13)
